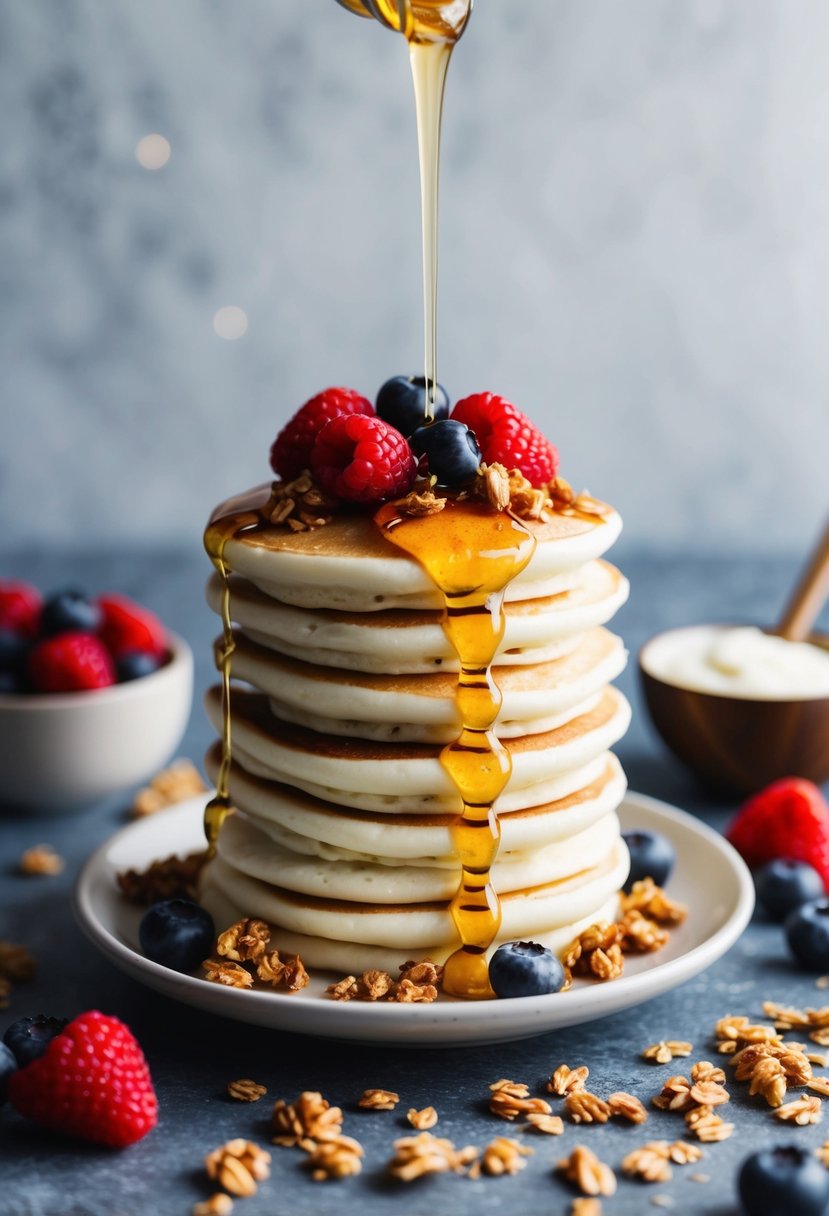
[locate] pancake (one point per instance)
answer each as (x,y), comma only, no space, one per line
(402,776)
(584,796)
(398,641)
(347,564)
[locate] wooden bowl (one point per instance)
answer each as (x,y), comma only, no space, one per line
(736,744)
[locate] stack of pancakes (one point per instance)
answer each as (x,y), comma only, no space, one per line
(342,839)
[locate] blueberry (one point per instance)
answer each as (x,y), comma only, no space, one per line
(69,610)
(785,884)
(651,856)
(786,1179)
(28,1038)
(451,450)
(402,403)
(133,664)
(524,969)
(8,1065)
(13,651)
(807,932)
(177,933)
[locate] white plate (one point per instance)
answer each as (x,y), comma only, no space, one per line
(710,878)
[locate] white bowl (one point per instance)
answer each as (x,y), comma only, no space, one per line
(62,751)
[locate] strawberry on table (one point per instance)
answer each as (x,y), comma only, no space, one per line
(789,818)
(91,1082)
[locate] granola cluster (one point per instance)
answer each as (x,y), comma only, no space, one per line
(41,859)
(17,966)
(300,504)
(418,983)
(170,877)
(696,1098)
(181,780)
(647,913)
(238,1166)
(244,956)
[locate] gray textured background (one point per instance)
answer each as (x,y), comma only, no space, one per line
(635,248)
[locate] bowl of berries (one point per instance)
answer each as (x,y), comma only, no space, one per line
(95,695)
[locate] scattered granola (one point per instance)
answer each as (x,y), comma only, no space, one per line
(288,972)
(675,1095)
(511,1099)
(169,878)
(422,1120)
(305,1122)
(502,1155)
(551,1125)
(174,784)
(651,901)
(707,1126)
(709,1093)
(16,962)
(584,1107)
(584,1169)
(596,952)
(217,1205)
(245,1090)
(586,1207)
(244,941)
(665,1050)
(819,1085)
(627,1106)
(415,1156)
(803,1110)
(339,1157)
(378,1099)
(41,859)
(231,975)
(567,1080)
(650,1162)
(704,1070)
(420,502)
(238,1166)
(768,1078)
(419,982)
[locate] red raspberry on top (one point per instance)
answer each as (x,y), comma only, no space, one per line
(790,819)
(506,436)
(92,1082)
(70,662)
(362,459)
(127,626)
(20,605)
(291,450)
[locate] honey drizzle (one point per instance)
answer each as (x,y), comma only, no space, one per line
(472,554)
(245,513)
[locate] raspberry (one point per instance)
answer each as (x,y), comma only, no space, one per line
(291,450)
(20,605)
(70,662)
(126,626)
(362,459)
(92,1082)
(506,436)
(789,818)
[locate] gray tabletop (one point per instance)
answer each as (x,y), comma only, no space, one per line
(194,1055)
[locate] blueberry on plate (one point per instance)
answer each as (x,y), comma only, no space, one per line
(651,856)
(451,450)
(177,933)
(782,1180)
(133,664)
(402,402)
(28,1038)
(68,611)
(807,932)
(785,884)
(524,969)
(8,1065)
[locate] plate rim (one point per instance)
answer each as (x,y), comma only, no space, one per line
(359,1020)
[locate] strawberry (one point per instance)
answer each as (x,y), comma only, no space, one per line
(70,662)
(20,606)
(126,627)
(92,1082)
(789,818)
